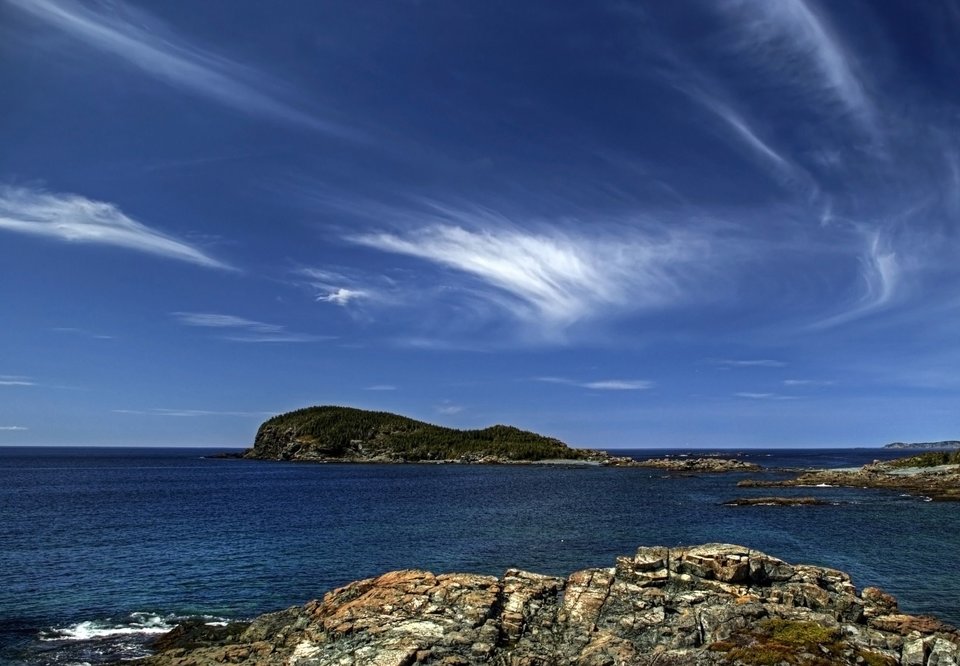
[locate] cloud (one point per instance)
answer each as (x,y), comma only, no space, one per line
(793,39)
(807,382)
(16,380)
(881,273)
(749,363)
(764,396)
(158,411)
(239,329)
(602,384)
(73,218)
(342,296)
(450,409)
(552,277)
(140,41)
(82,332)
(381,387)
(13,428)
(337,287)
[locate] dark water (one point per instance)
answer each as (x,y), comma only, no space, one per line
(102,548)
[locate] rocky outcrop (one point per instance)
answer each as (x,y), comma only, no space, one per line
(940,483)
(946,444)
(708,465)
(776,501)
(703,605)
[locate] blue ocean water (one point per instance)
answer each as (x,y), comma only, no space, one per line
(102,548)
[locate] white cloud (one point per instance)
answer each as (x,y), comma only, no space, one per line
(381,387)
(764,396)
(881,274)
(239,329)
(807,382)
(73,218)
(450,409)
(158,411)
(342,296)
(16,380)
(602,384)
(791,38)
(13,428)
(553,278)
(142,42)
(749,363)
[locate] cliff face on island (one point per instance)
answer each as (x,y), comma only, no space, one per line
(344,434)
(704,605)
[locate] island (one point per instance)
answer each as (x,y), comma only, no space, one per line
(345,434)
(708,464)
(933,475)
(946,444)
(685,606)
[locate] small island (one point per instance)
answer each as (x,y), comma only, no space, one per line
(707,464)
(686,606)
(348,435)
(934,475)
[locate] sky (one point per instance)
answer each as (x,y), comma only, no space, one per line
(622,224)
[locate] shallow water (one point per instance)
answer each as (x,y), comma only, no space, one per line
(102,548)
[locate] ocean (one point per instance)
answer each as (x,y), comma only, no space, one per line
(102,549)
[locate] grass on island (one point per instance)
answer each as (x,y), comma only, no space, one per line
(776,641)
(334,431)
(929,459)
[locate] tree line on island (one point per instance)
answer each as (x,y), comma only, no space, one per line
(345,433)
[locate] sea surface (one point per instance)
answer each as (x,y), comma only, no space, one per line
(102,549)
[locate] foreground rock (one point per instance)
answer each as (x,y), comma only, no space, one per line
(776,501)
(712,604)
(708,465)
(937,482)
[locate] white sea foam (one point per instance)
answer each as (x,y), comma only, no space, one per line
(135,623)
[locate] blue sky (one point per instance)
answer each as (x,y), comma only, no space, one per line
(622,224)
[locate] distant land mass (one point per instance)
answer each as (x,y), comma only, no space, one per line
(346,434)
(948,444)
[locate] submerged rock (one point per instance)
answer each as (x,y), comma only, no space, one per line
(711,604)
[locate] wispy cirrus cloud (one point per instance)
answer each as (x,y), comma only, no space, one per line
(798,43)
(380,387)
(748,363)
(140,41)
(881,274)
(82,332)
(602,384)
(239,329)
(16,380)
(764,396)
(336,287)
(159,411)
(76,219)
(808,382)
(554,276)
(13,428)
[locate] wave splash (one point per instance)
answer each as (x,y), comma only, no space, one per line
(137,623)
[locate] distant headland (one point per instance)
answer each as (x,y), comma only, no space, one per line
(947,444)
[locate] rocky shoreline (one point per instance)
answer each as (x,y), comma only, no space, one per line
(776,501)
(703,605)
(939,483)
